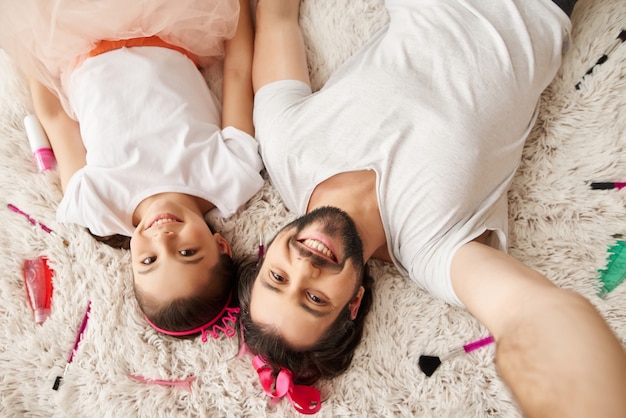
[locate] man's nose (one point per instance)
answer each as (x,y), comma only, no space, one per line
(307,268)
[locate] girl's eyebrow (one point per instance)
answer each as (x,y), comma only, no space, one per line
(184,261)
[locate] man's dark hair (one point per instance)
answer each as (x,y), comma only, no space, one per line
(183,314)
(328,358)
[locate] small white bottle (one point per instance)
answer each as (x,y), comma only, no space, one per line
(39,144)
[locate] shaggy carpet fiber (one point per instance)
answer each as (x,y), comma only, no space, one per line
(558,225)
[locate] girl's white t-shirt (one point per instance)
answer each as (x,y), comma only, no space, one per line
(151,125)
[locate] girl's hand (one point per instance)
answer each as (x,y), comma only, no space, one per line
(63,132)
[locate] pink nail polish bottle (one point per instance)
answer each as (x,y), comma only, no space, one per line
(38,282)
(39,144)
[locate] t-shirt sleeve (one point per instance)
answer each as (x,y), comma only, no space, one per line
(245,147)
(273,100)
(82,204)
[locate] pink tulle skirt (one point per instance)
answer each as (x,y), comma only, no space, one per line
(47,37)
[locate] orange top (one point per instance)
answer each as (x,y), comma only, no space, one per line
(107,45)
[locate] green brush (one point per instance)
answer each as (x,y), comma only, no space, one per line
(615,271)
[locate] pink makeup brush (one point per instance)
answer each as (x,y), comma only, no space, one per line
(429,364)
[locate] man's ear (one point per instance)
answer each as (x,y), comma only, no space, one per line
(222,244)
(355,303)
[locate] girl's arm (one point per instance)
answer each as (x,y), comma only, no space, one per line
(237,92)
(63,132)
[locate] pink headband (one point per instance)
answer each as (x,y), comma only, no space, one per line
(205,329)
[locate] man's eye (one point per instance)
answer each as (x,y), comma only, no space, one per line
(148,260)
(187,253)
(315,299)
(277,277)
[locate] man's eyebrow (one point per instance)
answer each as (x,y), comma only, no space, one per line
(304,306)
(194,261)
(152,268)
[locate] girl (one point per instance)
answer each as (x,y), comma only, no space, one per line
(140,143)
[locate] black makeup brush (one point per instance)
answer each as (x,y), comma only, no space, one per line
(429,364)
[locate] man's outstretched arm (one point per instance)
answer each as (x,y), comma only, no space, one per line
(279,52)
(238,97)
(553,349)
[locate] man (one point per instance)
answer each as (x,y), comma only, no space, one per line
(406,155)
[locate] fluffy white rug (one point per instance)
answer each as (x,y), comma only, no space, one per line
(558,225)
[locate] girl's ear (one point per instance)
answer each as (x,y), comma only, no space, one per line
(222,244)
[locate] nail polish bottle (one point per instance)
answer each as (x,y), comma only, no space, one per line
(38,282)
(39,144)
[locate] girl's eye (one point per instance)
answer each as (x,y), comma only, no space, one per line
(277,277)
(187,253)
(315,299)
(148,260)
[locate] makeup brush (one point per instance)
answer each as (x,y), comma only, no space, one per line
(429,364)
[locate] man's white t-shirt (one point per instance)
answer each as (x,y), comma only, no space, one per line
(438,104)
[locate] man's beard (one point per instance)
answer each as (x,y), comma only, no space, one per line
(337,224)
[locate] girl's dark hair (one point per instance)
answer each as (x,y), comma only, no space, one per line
(193,312)
(121,242)
(185,314)
(328,358)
